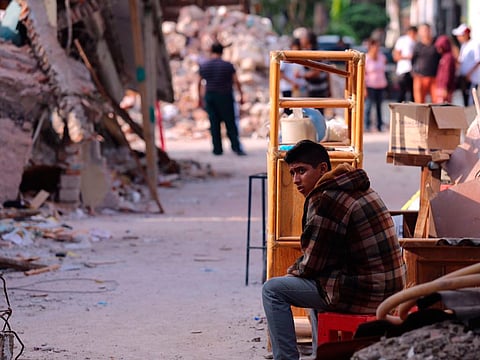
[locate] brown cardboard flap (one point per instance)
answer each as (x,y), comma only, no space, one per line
(455,210)
(464,163)
(450,117)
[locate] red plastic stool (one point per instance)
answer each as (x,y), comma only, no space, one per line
(337,327)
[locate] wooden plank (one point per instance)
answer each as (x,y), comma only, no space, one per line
(18,264)
(323,67)
(423,213)
(42,270)
(408,159)
(315,103)
(148,112)
(427,260)
(441,156)
(39,199)
(119,111)
(289,215)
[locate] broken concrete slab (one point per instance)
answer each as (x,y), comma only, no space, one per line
(18,142)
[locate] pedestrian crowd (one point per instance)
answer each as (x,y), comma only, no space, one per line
(428,69)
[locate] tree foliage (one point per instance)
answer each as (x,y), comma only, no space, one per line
(346,17)
(286,15)
(338,8)
(363,19)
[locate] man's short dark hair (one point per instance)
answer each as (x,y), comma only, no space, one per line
(217,48)
(308,152)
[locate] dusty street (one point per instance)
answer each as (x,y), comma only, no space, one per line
(169,286)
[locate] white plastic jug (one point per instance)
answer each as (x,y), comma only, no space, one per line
(296,127)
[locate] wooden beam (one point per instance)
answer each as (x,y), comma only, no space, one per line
(42,270)
(124,114)
(145,55)
(17,264)
(116,107)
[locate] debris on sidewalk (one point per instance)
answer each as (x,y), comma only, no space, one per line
(444,340)
(41,234)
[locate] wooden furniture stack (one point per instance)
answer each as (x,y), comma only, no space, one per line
(285,203)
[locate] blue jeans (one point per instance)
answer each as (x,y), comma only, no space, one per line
(278,294)
(220,107)
(374,97)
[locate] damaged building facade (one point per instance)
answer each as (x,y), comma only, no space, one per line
(60,86)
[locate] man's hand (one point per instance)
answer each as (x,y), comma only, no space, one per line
(292,271)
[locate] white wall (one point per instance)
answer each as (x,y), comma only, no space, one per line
(473,16)
(422,11)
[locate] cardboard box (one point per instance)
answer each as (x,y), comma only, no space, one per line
(424,128)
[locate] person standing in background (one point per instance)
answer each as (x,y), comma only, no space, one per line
(402,54)
(219,77)
(468,72)
(291,77)
(445,78)
(318,82)
(424,64)
(375,82)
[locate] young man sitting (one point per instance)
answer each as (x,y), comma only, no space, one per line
(351,259)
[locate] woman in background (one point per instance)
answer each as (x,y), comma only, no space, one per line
(292,82)
(445,78)
(375,82)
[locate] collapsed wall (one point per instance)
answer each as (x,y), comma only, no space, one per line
(50,93)
(24,96)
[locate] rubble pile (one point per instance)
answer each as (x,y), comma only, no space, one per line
(28,91)
(24,91)
(37,242)
(444,340)
(248,40)
(54,120)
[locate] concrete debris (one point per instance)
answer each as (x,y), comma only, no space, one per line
(444,340)
(24,233)
(16,143)
(42,235)
(51,114)
(23,85)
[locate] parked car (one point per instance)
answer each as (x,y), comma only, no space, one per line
(334,42)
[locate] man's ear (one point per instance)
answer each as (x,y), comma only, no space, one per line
(323,166)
